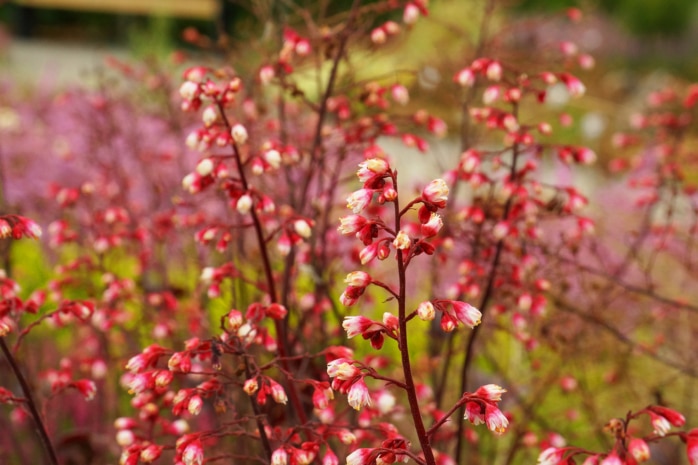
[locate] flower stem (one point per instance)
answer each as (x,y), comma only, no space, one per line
(26,390)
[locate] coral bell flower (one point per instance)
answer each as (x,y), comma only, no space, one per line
(358,395)
(359,200)
(373,168)
(495,419)
(550,456)
(359,457)
(639,450)
(436,193)
(351,224)
(342,369)
(358,279)
(490,392)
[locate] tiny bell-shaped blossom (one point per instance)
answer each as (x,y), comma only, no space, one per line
(379,36)
(358,279)
(195,405)
(358,395)
(400,94)
(266,74)
(359,457)
(244,204)
(279,457)
(189,90)
(494,71)
(432,227)
(500,230)
(359,325)
(205,167)
(278,393)
(410,14)
(490,95)
(342,369)
(302,228)
(209,116)
(490,392)
(369,252)
(426,311)
(436,193)
(359,200)
(239,134)
(330,458)
(574,85)
(672,416)
(250,386)
(465,77)
(550,456)
(639,450)
(466,313)
(273,157)
(351,224)
(151,453)
(612,459)
(389,194)
(372,168)
(495,419)
(402,241)
(193,454)
(660,424)
(86,387)
(234,319)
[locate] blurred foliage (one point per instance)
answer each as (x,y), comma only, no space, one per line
(641,17)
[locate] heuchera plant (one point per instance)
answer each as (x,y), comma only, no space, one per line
(229,308)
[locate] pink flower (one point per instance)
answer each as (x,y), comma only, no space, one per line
(465,77)
(436,193)
(193,454)
(550,456)
(358,395)
(402,241)
(672,416)
(473,413)
(351,224)
(359,200)
(358,279)
(279,457)
(495,419)
(639,449)
(356,325)
(466,313)
(359,457)
(425,311)
(342,369)
(432,227)
(490,392)
(660,424)
(611,459)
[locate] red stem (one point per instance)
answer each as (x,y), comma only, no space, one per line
(38,422)
(269,276)
(405,354)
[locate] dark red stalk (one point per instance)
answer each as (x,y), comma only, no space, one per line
(404,351)
(486,297)
(31,405)
(269,276)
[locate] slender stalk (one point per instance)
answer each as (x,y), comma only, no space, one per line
(31,404)
(424,441)
(486,297)
(316,157)
(281,339)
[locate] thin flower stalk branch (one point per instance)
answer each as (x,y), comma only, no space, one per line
(44,437)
